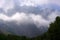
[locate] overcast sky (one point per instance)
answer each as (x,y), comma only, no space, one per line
(7,4)
(29,6)
(25,16)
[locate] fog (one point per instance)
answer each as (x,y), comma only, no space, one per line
(28,18)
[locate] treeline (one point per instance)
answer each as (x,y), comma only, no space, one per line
(13,37)
(53,33)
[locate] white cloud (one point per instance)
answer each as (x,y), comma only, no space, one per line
(34,2)
(57,2)
(25,18)
(2,3)
(6,4)
(3,17)
(39,20)
(53,15)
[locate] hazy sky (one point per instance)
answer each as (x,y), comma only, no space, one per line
(25,16)
(10,3)
(29,6)
(7,4)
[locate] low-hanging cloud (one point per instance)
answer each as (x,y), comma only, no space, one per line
(23,24)
(27,17)
(26,24)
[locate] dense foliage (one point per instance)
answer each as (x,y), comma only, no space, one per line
(53,33)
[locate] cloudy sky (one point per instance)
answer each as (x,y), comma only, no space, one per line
(7,4)
(38,12)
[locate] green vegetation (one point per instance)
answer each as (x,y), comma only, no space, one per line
(53,33)
(12,37)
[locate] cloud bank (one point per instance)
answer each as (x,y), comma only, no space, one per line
(27,17)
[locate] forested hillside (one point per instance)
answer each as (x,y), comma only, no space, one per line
(53,33)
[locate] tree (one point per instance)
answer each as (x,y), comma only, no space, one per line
(54,30)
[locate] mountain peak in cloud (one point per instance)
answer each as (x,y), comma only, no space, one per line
(27,17)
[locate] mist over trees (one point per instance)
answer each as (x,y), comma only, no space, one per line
(53,33)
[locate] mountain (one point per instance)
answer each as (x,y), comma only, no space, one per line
(53,33)
(29,29)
